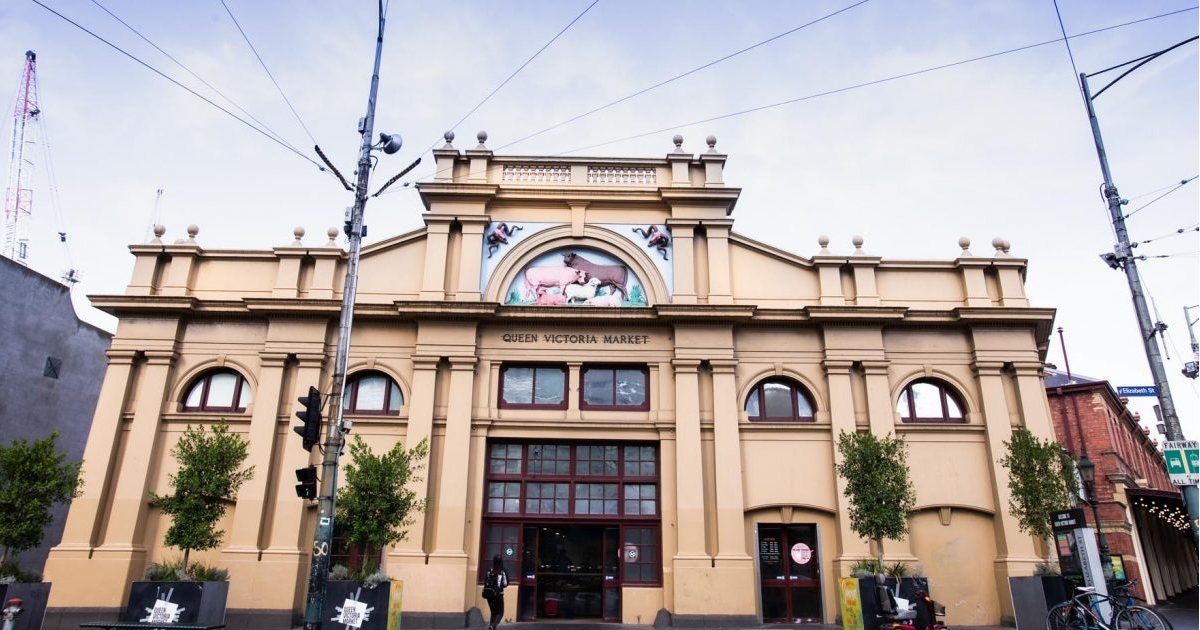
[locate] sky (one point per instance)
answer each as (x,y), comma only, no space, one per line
(997,147)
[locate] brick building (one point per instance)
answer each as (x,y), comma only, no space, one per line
(1139,508)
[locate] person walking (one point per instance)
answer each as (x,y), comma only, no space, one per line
(493,591)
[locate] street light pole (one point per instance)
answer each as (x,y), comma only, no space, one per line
(323,537)
(1087,471)
(1122,257)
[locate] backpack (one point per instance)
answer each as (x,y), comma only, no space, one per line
(491,585)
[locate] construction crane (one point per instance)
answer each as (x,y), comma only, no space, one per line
(18,195)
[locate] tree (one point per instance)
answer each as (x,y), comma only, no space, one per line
(881,496)
(1041,481)
(207,478)
(33,477)
(376,504)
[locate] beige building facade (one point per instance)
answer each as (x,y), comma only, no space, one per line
(630,403)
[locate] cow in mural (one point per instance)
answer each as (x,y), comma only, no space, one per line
(536,277)
(655,238)
(614,276)
(498,236)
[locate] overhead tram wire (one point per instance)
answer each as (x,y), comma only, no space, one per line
(1158,190)
(1067,43)
(178,84)
(1140,61)
(1181,184)
(682,75)
(843,89)
(1178,232)
(194,75)
(268,71)
(864,84)
(515,72)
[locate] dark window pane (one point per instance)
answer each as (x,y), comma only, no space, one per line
(598,387)
(631,388)
(778,398)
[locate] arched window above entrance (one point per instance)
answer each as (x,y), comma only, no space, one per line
(372,393)
(218,390)
(930,400)
(779,399)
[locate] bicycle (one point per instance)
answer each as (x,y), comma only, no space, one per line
(1083,612)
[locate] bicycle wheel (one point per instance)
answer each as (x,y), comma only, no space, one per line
(1064,616)
(1139,618)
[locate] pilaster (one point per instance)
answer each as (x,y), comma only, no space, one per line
(717,237)
(733,566)
(685,261)
(471,259)
(437,240)
(829,273)
(448,561)
(851,547)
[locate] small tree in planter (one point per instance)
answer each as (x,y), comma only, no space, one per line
(33,477)
(376,505)
(1041,481)
(207,478)
(881,496)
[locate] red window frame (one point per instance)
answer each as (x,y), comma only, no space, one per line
(796,389)
(351,395)
(205,380)
(533,387)
(584,404)
(945,392)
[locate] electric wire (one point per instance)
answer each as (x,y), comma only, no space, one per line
(52,184)
(831,92)
(268,71)
(1182,230)
(1067,43)
(1181,184)
(177,83)
(515,72)
(681,75)
(1158,190)
(1144,60)
(874,82)
(189,71)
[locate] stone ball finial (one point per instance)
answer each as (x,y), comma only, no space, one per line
(823,241)
(192,231)
(678,140)
(159,230)
(997,243)
(712,143)
(332,234)
(857,241)
(965,244)
(482,138)
(1005,245)
(298,232)
(449,136)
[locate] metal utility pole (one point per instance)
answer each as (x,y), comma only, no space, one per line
(334,441)
(1191,369)
(1122,257)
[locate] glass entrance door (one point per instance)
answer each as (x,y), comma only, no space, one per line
(790,572)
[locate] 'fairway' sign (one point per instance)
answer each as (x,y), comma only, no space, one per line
(1183,462)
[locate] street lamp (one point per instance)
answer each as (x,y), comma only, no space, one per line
(1087,472)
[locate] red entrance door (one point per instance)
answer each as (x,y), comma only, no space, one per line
(790,571)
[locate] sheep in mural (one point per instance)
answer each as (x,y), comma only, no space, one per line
(536,277)
(614,276)
(582,292)
(612,299)
(545,298)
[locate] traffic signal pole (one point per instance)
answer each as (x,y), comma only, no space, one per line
(1124,258)
(334,440)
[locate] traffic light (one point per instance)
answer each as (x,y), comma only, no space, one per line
(307,488)
(310,431)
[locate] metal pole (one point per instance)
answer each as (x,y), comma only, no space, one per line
(323,537)
(1124,256)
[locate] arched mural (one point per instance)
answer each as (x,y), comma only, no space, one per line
(576,276)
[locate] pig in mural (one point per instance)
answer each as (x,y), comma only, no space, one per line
(576,276)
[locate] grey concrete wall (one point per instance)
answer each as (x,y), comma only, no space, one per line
(37,321)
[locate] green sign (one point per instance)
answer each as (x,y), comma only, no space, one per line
(1183,462)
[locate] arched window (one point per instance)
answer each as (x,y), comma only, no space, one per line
(372,393)
(779,400)
(218,390)
(929,400)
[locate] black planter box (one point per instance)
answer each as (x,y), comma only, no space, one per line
(1034,596)
(870,601)
(375,602)
(33,599)
(199,602)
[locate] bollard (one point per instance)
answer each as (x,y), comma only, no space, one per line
(12,608)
